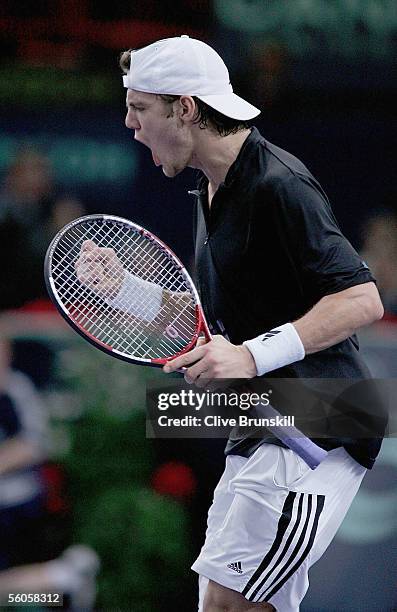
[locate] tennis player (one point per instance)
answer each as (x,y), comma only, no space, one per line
(284,292)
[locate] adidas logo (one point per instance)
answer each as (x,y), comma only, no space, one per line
(270,334)
(236,567)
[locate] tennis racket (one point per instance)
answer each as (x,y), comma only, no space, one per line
(127,293)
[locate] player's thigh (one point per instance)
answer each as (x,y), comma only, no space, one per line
(218,597)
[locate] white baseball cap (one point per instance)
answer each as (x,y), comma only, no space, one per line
(186,66)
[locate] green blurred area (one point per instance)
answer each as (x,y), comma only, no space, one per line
(54,86)
(81,160)
(349,28)
(141,539)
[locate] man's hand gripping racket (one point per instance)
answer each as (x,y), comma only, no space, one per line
(127,293)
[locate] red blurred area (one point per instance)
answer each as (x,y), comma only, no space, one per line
(54,481)
(174,478)
(58,36)
(39,305)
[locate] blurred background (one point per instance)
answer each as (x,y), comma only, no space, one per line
(87,504)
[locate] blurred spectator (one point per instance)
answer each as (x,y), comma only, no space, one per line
(268,74)
(31,212)
(72,574)
(23,500)
(262,73)
(23,438)
(379,251)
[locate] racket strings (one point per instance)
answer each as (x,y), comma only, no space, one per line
(128,329)
(91,323)
(88,310)
(156,320)
(161,272)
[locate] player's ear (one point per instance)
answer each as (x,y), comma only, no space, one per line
(187,108)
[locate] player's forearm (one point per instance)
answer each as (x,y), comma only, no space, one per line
(333,319)
(336,317)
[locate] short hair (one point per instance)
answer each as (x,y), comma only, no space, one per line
(206,116)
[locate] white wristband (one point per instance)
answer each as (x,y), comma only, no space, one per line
(277,348)
(138,297)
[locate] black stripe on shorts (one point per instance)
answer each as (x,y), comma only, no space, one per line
(278,560)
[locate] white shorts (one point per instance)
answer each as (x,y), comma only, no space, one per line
(272,517)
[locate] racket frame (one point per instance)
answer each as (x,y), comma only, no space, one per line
(201,324)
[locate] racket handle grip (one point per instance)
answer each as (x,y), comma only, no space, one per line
(292,437)
(307,450)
